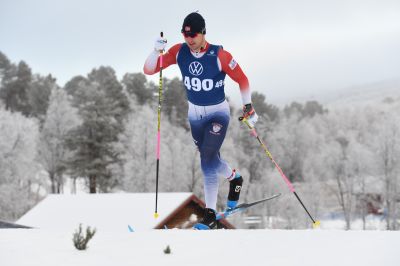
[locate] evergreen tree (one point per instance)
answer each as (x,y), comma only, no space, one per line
(39,94)
(309,109)
(294,108)
(312,108)
(8,72)
(16,84)
(74,87)
(5,65)
(136,84)
(267,111)
(175,104)
(102,107)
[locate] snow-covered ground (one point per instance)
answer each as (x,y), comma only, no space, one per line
(58,216)
(20,247)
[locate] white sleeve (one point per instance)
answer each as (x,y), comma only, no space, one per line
(246,96)
(151,61)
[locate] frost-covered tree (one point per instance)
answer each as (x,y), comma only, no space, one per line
(19,183)
(194,182)
(138,146)
(387,154)
(60,119)
(336,163)
(175,154)
(289,143)
(249,155)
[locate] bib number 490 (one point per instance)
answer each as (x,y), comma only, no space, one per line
(197,85)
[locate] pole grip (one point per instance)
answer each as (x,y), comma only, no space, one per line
(161,56)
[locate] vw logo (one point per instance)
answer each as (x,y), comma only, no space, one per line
(195,68)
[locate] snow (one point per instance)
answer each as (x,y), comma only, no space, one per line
(57,218)
(20,247)
(105,212)
(56,221)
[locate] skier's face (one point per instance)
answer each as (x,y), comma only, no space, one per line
(194,41)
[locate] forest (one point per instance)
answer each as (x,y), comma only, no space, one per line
(97,130)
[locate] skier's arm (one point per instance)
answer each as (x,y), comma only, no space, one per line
(152,64)
(232,68)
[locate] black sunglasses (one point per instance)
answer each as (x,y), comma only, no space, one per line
(190,34)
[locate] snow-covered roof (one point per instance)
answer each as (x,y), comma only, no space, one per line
(106,212)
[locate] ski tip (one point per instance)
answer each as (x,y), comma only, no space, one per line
(316,224)
(156,215)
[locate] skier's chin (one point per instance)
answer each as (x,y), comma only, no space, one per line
(193,46)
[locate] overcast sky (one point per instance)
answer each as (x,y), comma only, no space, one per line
(289,49)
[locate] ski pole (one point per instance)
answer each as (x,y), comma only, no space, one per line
(158,126)
(316,223)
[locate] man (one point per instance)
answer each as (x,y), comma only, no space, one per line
(204,67)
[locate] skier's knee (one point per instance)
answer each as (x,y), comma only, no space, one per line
(208,155)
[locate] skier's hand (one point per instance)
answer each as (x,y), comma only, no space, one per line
(160,44)
(249,114)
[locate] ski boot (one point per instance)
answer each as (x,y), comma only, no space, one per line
(209,220)
(235,186)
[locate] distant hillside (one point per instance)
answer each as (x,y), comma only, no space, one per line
(367,94)
(359,95)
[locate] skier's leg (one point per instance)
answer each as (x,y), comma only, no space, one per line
(235,183)
(213,165)
(235,187)
(197,128)
(214,135)
(209,137)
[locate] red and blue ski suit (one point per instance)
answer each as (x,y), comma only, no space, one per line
(203,75)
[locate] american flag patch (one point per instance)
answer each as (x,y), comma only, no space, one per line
(232,64)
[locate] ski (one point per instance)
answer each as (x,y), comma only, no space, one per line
(243,206)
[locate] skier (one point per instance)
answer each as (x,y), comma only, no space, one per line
(204,67)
